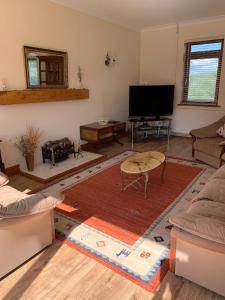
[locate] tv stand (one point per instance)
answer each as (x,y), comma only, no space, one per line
(147,128)
(144,126)
(147,119)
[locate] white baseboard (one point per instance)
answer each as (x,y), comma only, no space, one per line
(180,134)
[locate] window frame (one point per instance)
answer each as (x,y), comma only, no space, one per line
(188,56)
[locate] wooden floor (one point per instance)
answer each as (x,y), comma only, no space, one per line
(60,272)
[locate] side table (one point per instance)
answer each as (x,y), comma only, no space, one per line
(95,133)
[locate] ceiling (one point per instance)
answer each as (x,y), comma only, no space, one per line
(140,14)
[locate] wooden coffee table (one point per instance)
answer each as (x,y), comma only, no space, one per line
(141,164)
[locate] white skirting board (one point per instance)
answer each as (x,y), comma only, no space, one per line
(180,134)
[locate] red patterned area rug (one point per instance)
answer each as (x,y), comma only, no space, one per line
(123,230)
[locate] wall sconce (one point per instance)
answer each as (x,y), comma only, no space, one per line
(110,61)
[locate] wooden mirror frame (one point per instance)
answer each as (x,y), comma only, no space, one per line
(28,49)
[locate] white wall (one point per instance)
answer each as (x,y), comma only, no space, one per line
(162,51)
(86,39)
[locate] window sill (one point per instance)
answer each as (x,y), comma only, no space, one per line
(198,104)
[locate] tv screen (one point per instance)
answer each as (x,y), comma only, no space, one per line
(151,100)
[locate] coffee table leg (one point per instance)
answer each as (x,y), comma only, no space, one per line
(146,183)
(163,170)
(121,180)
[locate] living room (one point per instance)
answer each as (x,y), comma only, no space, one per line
(108,47)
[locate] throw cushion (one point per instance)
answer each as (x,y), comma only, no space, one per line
(33,204)
(221,131)
(3,179)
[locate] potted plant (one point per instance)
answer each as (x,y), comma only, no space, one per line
(27,144)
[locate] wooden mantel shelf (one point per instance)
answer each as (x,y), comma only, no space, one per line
(42,95)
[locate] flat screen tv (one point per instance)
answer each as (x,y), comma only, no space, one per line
(151,100)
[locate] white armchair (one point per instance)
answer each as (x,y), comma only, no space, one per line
(26,226)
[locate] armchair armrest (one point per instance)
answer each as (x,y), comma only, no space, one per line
(204,132)
(208,131)
(34,204)
(204,227)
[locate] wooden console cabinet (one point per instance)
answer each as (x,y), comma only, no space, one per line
(95,134)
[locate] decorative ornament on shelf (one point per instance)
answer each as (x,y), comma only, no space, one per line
(110,61)
(27,144)
(80,77)
(78,149)
(103,121)
(3,85)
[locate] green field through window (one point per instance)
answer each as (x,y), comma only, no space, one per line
(202,79)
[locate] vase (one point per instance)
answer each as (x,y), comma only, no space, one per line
(30,161)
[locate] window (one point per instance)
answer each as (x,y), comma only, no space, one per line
(33,71)
(202,69)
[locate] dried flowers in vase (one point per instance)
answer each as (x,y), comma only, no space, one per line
(27,144)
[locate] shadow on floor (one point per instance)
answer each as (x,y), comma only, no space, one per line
(32,273)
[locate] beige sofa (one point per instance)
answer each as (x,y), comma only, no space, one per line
(198,237)
(205,146)
(26,225)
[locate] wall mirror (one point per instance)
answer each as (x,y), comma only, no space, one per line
(45,68)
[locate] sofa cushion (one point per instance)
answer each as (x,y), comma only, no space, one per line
(220,173)
(204,227)
(214,190)
(222,143)
(3,179)
(28,205)
(209,209)
(209,146)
